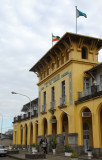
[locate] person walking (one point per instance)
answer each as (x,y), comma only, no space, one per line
(44,145)
(41,142)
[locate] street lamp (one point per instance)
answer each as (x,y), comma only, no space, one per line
(1,124)
(30,113)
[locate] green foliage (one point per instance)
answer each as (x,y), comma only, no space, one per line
(68,148)
(74,155)
(34,145)
(53,144)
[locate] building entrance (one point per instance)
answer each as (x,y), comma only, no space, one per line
(65,129)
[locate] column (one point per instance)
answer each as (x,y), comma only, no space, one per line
(96,131)
(60,137)
(28,132)
(18,135)
(96,134)
(49,136)
(79,136)
(34,133)
(24,134)
(14,137)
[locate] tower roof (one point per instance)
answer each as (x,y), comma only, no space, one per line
(68,38)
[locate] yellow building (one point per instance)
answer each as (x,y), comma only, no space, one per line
(70,96)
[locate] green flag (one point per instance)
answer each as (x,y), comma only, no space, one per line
(79,13)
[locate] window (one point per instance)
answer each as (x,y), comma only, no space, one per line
(53,94)
(44,98)
(87,86)
(84,53)
(62,99)
(52,104)
(101,82)
(101,79)
(63,89)
(44,102)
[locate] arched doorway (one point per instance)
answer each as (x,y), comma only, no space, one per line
(86,136)
(87,129)
(54,127)
(65,128)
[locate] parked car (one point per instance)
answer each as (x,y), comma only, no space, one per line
(3,150)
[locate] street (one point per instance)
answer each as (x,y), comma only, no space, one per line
(6,158)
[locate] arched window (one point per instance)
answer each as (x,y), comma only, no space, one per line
(84,53)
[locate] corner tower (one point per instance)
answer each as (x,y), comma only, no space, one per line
(60,72)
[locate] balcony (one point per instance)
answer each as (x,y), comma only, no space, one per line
(52,107)
(62,102)
(52,104)
(43,109)
(25,116)
(94,91)
(34,113)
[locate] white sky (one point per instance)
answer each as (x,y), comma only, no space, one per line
(25,36)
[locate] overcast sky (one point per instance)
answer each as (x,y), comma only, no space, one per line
(25,36)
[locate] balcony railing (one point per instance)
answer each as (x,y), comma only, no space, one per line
(52,104)
(22,116)
(43,107)
(63,100)
(89,91)
(34,113)
(94,91)
(25,116)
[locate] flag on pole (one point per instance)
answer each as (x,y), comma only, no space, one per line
(79,13)
(55,38)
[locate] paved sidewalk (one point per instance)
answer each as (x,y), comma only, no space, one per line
(50,156)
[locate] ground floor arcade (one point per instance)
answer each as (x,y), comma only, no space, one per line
(82,131)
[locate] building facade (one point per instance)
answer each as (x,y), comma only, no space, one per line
(70,97)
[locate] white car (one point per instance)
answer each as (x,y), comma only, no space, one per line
(3,150)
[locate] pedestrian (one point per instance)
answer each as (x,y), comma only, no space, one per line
(44,145)
(41,142)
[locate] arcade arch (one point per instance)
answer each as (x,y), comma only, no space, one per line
(86,118)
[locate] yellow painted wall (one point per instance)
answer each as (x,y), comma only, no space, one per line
(77,66)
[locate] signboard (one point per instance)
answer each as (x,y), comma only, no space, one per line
(52,120)
(86,114)
(54,79)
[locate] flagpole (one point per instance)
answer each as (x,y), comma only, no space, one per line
(76,19)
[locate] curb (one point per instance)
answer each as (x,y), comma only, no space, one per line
(16,157)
